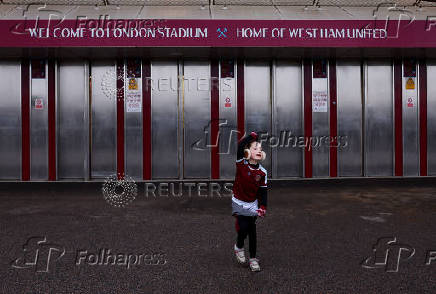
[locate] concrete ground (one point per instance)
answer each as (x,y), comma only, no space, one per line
(315,239)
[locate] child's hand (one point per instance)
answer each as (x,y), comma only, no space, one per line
(261,211)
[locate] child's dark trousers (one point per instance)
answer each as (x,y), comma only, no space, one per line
(246,225)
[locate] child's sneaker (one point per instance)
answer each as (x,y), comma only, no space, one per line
(240,254)
(254,264)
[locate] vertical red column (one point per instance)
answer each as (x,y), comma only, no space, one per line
(51,79)
(398,117)
(120,118)
(146,119)
(422,118)
(25,120)
(240,99)
(307,65)
(214,116)
(333,120)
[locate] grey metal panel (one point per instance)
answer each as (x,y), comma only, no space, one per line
(360,3)
(228,126)
(274,130)
(71,119)
(39,129)
(158,10)
(197,92)
(431,117)
(86,130)
(10,119)
(133,132)
(322,3)
(410,129)
(57,2)
(288,118)
(263,2)
(160,2)
(180,124)
(164,119)
(349,108)
(320,132)
(258,104)
(103,118)
(379,119)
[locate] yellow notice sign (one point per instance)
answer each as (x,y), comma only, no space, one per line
(133,84)
(410,84)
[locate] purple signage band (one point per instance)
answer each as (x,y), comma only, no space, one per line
(217,33)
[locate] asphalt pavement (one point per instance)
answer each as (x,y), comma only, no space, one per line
(319,236)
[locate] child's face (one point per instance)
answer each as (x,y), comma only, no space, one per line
(256,150)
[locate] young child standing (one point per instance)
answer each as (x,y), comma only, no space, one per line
(249,199)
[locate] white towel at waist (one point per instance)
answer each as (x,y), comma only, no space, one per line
(252,206)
